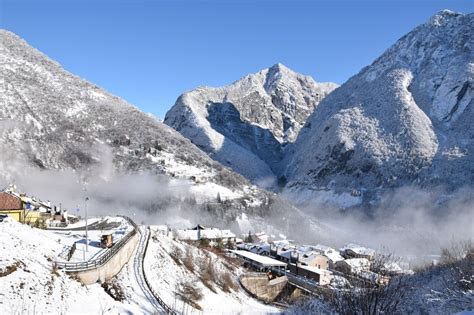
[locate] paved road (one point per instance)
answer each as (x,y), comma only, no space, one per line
(135,272)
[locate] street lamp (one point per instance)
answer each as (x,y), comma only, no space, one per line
(87,238)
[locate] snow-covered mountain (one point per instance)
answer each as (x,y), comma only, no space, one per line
(405,119)
(247,124)
(53,120)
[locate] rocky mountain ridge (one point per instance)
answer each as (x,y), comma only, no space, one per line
(52,120)
(405,119)
(247,124)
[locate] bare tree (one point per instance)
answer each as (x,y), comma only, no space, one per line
(372,299)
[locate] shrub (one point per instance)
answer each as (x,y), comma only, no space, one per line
(188,260)
(226,281)
(176,255)
(204,242)
(456,252)
(190,294)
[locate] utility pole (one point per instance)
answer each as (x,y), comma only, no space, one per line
(87,228)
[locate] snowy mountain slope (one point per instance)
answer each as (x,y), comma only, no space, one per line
(35,287)
(54,120)
(406,118)
(172,266)
(245,125)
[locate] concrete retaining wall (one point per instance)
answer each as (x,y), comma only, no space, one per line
(260,287)
(112,267)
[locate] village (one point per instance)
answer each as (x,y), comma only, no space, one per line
(306,267)
(95,249)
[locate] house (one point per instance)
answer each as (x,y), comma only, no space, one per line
(261,263)
(200,232)
(284,252)
(258,248)
(12,206)
(314,259)
(357,251)
(323,277)
(353,265)
(28,210)
(332,254)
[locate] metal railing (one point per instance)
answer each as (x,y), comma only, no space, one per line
(165,306)
(104,257)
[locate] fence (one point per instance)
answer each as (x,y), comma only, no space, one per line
(103,258)
(167,309)
(71,251)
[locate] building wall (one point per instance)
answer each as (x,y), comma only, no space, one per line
(112,267)
(17,215)
(320,261)
(32,216)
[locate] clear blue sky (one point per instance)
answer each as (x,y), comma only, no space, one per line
(149,52)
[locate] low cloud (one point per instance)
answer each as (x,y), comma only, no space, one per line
(408,221)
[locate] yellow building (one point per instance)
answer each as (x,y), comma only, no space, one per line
(23,209)
(13,206)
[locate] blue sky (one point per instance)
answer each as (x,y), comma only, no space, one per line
(149,52)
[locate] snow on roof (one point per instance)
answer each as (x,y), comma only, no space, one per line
(360,250)
(263,260)
(286,253)
(281,243)
(369,275)
(315,270)
(209,233)
(357,262)
(327,251)
(392,266)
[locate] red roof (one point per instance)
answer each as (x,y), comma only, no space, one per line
(9,202)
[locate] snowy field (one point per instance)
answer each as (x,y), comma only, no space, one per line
(30,285)
(119,227)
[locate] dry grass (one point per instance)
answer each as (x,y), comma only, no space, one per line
(114,290)
(176,255)
(10,269)
(227,282)
(190,294)
(188,260)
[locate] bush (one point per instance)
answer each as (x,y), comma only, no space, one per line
(188,260)
(372,299)
(226,281)
(176,255)
(190,294)
(456,252)
(204,242)
(114,290)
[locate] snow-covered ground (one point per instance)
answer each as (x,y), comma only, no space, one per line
(35,287)
(119,227)
(166,270)
(132,280)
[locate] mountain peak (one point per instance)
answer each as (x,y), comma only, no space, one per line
(442,17)
(279,67)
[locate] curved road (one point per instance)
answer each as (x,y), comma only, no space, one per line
(136,272)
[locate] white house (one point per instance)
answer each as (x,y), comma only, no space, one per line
(357,251)
(332,254)
(200,232)
(353,265)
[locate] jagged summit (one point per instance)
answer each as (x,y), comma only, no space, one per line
(246,124)
(443,16)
